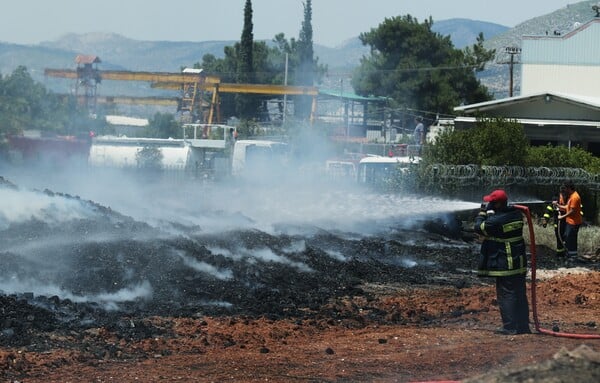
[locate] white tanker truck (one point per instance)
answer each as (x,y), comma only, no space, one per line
(209,157)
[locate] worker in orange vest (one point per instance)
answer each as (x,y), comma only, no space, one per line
(573,218)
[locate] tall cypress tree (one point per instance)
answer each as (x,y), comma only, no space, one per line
(305,44)
(306,63)
(246,105)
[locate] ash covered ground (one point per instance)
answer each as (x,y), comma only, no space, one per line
(112,254)
(74,262)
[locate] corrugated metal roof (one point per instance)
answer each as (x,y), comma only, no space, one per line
(593,102)
(578,47)
(539,122)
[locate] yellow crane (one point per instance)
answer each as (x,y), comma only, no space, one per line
(268,89)
(88,77)
(192,83)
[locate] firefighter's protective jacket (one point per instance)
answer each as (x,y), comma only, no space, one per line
(551,215)
(503,247)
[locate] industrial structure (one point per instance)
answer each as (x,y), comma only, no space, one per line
(208,146)
(559,101)
(193,85)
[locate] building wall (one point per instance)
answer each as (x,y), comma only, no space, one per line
(578,80)
(565,64)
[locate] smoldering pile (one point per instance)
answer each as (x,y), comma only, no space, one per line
(77,263)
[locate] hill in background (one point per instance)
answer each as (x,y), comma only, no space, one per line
(121,53)
(118,52)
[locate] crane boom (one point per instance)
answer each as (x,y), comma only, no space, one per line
(130,100)
(266,89)
(247,88)
(121,75)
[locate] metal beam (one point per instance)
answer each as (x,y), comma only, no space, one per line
(137,76)
(246,88)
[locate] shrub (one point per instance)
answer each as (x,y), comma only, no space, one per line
(562,156)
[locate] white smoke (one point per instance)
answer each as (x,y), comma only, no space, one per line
(336,255)
(295,247)
(294,204)
(18,206)
(109,300)
(205,267)
(267,255)
(299,200)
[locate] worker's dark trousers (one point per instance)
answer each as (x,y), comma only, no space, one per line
(511,293)
(571,233)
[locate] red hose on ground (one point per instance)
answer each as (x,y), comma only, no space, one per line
(525,211)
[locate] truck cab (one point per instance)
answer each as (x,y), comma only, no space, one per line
(258,157)
(377,169)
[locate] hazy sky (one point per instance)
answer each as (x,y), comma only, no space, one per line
(34,21)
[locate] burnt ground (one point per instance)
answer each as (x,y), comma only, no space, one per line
(247,305)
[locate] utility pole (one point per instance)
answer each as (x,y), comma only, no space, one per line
(285,81)
(512,51)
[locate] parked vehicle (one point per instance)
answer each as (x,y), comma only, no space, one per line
(340,170)
(376,169)
(258,157)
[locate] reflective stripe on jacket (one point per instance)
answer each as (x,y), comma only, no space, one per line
(503,247)
(551,215)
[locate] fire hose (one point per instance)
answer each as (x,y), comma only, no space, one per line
(525,211)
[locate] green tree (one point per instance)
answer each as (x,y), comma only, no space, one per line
(26,105)
(494,141)
(562,156)
(269,66)
(164,125)
(245,72)
(246,104)
(305,74)
(268,71)
(418,68)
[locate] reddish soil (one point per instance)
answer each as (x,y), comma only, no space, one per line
(447,334)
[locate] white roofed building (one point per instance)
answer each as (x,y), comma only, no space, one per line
(568,63)
(547,117)
(560,91)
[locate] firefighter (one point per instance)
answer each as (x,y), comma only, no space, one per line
(551,217)
(503,256)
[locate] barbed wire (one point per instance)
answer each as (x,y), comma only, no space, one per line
(466,175)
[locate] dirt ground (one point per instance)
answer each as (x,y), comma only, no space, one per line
(249,306)
(446,335)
